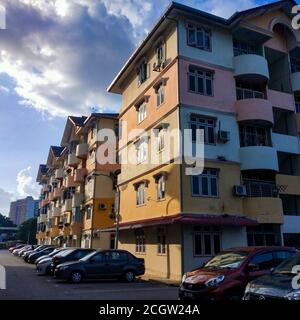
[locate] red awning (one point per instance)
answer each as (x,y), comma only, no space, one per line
(194,219)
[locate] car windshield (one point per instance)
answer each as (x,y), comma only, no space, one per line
(64,253)
(88,256)
(227,260)
(287,266)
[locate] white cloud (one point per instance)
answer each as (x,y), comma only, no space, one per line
(4,90)
(62,54)
(5,199)
(25,183)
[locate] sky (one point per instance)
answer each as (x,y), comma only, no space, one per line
(57,58)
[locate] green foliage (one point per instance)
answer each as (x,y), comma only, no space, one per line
(27,231)
(6,222)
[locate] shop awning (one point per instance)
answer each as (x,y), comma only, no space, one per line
(194,219)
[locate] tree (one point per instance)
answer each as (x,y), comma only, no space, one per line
(6,222)
(27,231)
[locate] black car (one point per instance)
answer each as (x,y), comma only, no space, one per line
(35,255)
(282,283)
(110,264)
(37,249)
(69,255)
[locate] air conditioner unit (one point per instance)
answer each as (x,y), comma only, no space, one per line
(223,136)
(157,66)
(240,191)
(102,206)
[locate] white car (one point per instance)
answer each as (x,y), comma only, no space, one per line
(43,267)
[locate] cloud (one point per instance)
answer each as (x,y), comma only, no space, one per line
(4,90)
(25,183)
(5,199)
(63,54)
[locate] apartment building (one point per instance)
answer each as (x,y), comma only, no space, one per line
(23,209)
(77,196)
(238,79)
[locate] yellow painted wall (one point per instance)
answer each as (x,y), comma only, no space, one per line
(292,184)
(132,89)
(162,266)
(153,208)
(229,175)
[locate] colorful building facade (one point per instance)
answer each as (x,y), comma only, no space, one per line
(238,80)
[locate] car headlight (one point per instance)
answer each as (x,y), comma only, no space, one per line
(295,295)
(183,278)
(214,282)
(248,287)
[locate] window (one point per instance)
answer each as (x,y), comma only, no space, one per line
(244,93)
(206,124)
(206,184)
(93,130)
(200,81)
(142,112)
(160,53)
(264,261)
(142,151)
(161,188)
(76,215)
(140,242)
(264,235)
(240,48)
(161,241)
(120,129)
(254,136)
(199,37)
(282,255)
(206,243)
(290,204)
(160,94)
(160,140)
(88,212)
(143,73)
(118,256)
(68,193)
(141,194)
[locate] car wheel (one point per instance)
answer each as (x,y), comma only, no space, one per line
(76,277)
(129,276)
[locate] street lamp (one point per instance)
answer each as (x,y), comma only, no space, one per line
(113,176)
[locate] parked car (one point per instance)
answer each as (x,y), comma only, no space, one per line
(43,266)
(226,275)
(34,255)
(278,284)
(111,264)
(26,254)
(69,255)
(50,255)
(19,251)
(18,246)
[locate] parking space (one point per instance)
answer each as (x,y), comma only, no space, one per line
(24,283)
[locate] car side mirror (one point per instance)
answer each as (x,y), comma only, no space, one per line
(252,267)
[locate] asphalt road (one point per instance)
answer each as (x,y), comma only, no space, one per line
(22,282)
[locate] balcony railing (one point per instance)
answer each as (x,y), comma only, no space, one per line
(242,94)
(260,189)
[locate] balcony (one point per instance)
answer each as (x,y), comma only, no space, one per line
(73,161)
(56,211)
(67,206)
(57,193)
(46,188)
(80,174)
(258,157)
(264,210)
(291,184)
(281,100)
(77,199)
(76,228)
(286,143)
(43,218)
(251,66)
(69,182)
(59,173)
(82,150)
(254,109)
(44,202)
(54,232)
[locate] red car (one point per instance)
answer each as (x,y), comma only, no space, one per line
(226,275)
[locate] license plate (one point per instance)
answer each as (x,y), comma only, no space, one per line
(189,295)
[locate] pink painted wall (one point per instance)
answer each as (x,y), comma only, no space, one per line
(254,109)
(278,42)
(224,88)
(281,100)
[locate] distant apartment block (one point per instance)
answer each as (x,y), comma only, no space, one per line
(23,209)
